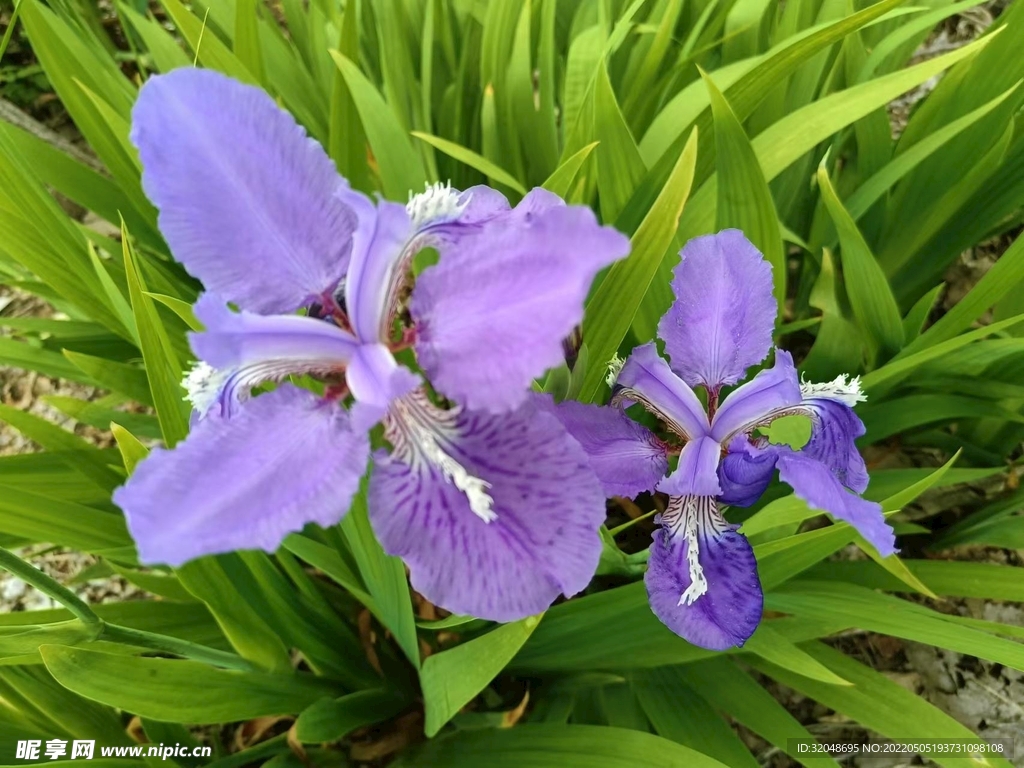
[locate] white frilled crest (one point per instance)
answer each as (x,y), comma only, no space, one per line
(843,389)
(437,204)
(203,385)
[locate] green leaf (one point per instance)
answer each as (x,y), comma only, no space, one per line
(891,417)
(333,719)
(611,309)
(550,745)
(247,39)
(401,169)
(744,200)
(78,453)
(770,646)
(616,630)
(876,702)
(208,580)
(561,180)
(25,641)
(988,581)
(132,451)
(452,678)
(39,518)
(12,23)
(869,192)
(155,582)
(872,300)
(162,365)
(180,691)
(793,430)
(915,319)
(384,577)
(162,46)
(20,354)
(205,44)
(789,139)
(328,560)
(1004,276)
(679,713)
(302,622)
(446,623)
(746,93)
(99,414)
(619,165)
(865,609)
(119,377)
(181,308)
(473,160)
(85,186)
(729,689)
(904,365)
(347,140)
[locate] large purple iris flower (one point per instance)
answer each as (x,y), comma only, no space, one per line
(702,576)
(490,501)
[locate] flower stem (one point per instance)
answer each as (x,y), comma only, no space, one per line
(113,632)
(620,528)
(49,587)
(173,645)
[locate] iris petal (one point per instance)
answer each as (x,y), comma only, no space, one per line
(745,472)
(647,379)
(286,458)
(702,577)
(834,428)
(501,524)
(771,393)
(244,349)
(378,257)
(722,319)
(626,456)
(697,473)
(248,202)
(814,483)
(376,380)
(492,313)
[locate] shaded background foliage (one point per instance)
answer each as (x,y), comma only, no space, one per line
(673,118)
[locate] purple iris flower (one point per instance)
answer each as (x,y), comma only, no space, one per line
(702,576)
(489,500)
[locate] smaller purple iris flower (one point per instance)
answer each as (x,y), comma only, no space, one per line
(492,504)
(702,576)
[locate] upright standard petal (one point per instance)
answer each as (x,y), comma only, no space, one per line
(626,457)
(774,392)
(248,202)
(379,261)
(702,576)
(722,320)
(495,515)
(647,379)
(814,483)
(285,459)
(745,472)
(697,473)
(492,313)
